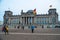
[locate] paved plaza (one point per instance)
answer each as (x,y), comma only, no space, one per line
(39,34)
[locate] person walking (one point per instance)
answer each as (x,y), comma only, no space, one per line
(4,29)
(7,29)
(32,28)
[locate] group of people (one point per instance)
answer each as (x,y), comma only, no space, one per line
(5,29)
(19,27)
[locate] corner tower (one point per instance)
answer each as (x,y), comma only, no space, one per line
(6,16)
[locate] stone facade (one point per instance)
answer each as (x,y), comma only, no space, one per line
(28,18)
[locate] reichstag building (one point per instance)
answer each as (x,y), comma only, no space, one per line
(28,18)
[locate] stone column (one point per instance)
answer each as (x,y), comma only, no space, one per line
(22,20)
(26,20)
(33,20)
(30,20)
(9,20)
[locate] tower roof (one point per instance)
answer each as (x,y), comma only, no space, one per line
(29,11)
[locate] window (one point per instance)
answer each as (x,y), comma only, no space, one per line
(15,21)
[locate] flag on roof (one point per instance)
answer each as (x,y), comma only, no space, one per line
(34,11)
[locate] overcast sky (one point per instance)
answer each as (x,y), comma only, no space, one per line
(42,6)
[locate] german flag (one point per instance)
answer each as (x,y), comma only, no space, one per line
(34,11)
